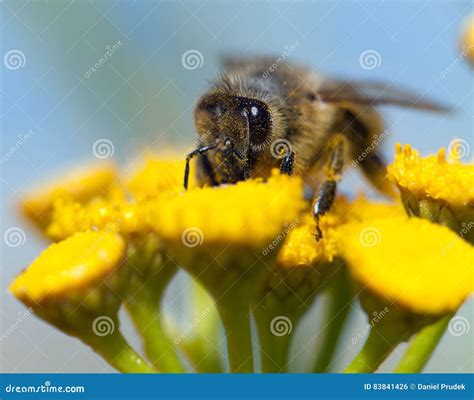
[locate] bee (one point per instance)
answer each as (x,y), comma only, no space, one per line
(256,117)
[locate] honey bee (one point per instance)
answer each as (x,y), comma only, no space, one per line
(256,117)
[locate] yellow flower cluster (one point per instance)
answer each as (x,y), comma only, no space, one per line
(80,185)
(419,266)
(82,261)
(249,213)
(432,176)
(253,213)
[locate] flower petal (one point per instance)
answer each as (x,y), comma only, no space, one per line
(80,185)
(421,266)
(79,262)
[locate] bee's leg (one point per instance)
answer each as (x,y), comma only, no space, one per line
(327,191)
(200,150)
(205,171)
(287,163)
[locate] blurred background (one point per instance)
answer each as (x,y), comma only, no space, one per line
(129,72)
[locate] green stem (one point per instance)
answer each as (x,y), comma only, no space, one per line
(158,346)
(235,319)
(147,288)
(274,349)
(200,346)
(118,353)
(422,346)
(338,307)
(374,352)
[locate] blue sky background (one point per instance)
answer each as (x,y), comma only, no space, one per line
(142,96)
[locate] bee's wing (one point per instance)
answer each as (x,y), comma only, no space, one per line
(373,94)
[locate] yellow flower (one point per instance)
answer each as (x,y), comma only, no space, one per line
(220,234)
(305,268)
(467,40)
(121,216)
(436,189)
(249,213)
(80,185)
(157,175)
(417,265)
(77,285)
(74,266)
(252,245)
(300,248)
(432,176)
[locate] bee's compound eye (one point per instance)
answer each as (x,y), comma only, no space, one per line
(212,106)
(260,122)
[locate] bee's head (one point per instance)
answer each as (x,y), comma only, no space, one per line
(240,127)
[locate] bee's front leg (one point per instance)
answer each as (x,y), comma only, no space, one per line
(327,191)
(287,163)
(199,151)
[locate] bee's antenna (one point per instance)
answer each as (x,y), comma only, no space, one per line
(200,150)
